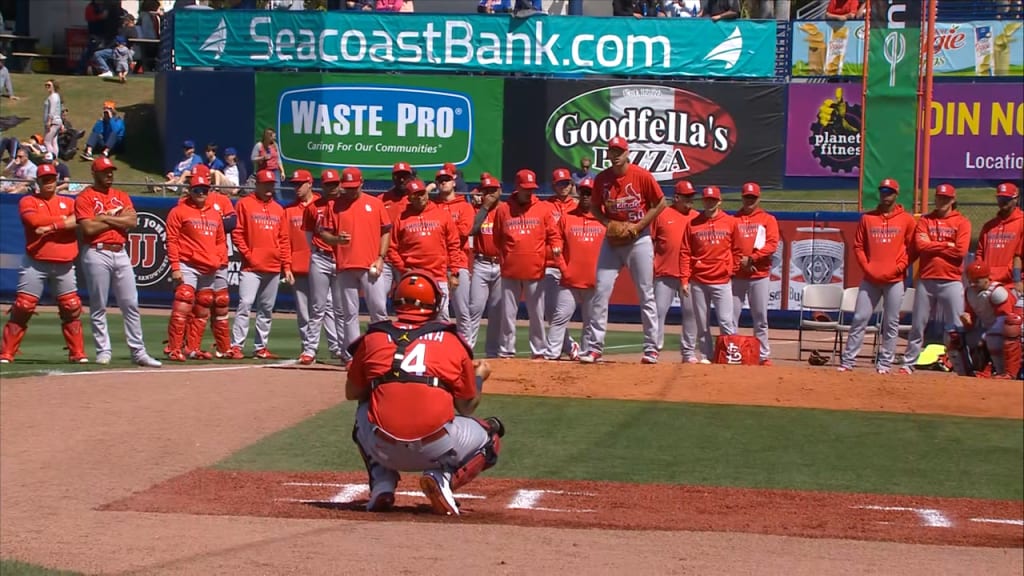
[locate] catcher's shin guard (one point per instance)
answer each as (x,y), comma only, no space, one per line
(1012,346)
(486,458)
(184,298)
(70,309)
(197,320)
(14,331)
(221,329)
(959,352)
(372,466)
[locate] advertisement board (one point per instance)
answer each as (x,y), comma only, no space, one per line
(976,130)
(373,121)
(980,48)
(705,132)
(447,43)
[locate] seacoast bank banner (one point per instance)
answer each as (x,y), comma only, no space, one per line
(474,43)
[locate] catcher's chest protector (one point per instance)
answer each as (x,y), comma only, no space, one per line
(402,339)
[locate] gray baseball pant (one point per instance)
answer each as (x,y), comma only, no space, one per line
(460,304)
(102,267)
(510,289)
(949,294)
(551,288)
(565,306)
(638,257)
(703,296)
(665,289)
(867,299)
(324,308)
(35,274)
(351,282)
(485,294)
(259,288)
(756,293)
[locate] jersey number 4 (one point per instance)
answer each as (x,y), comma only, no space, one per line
(415,360)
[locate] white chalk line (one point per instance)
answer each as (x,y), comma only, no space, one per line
(999,521)
(141,370)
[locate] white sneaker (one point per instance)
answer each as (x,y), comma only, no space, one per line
(148,361)
(704,361)
(103,358)
(107,74)
(437,488)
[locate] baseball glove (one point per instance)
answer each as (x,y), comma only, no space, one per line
(620,233)
(817,359)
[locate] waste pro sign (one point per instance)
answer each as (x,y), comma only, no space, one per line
(330,121)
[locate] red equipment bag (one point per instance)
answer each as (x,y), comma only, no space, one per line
(737,349)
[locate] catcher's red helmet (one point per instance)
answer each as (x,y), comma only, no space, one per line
(977,270)
(416,295)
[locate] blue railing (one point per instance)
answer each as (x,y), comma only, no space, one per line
(965,10)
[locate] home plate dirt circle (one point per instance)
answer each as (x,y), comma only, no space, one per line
(606,505)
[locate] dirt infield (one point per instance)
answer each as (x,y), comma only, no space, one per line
(94,465)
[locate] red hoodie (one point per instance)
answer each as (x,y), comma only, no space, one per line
(1001,239)
(882,244)
(750,226)
(710,252)
(462,214)
(939,260)
(523,234)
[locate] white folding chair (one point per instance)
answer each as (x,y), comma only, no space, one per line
(818,299)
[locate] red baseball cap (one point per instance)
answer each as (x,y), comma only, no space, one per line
(401,167)
(889,184)
(620,143)
(351,177)
(978,269)
(560,175)
(443,174)
(201,169)
(586,184)
(301,177)
(199,181)
(685,188)
(712,192)
(266,176)
(1006,190)
(489,182)
(102,164)
(484,175)
(415,186)
(752,189)
(526,180)
(45,170)
(329,176)
(450,168)
(945,190)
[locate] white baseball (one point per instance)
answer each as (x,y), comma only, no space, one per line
(373,270)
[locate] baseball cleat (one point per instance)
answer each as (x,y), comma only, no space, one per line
(649,357)
(574,351)
(148,361)
(381,502)
(235,353)
(307,359)
(689,361)
(905,370)
(175,356)
(79,360)
(199,355)
(704,361)
(766,362)
(495,426)
(438,490)
(5,360)
(844,369)
(590,357)
(883,371)
(264,354)
(103,358)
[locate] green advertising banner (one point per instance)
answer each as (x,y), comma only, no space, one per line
(373,121)
(473,43)
(889,130)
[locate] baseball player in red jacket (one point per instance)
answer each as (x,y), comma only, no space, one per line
(261,237)
(195,232)
(395,200)
(417,388)
(462,215)
(562,202)
(1001,243)
(524,229)
(582,236)
(941,241)
(627,193)
(50,251)
(709,256)
(324,289)
(993,319)
(667,232)
(882,245)
(758,240)
(424,238)
(485,281)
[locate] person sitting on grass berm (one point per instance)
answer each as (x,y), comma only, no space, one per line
(107,133)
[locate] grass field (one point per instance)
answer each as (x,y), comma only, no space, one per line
(43,351)
(676,443)
(15,568)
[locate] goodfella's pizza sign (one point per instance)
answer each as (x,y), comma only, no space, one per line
(672,132)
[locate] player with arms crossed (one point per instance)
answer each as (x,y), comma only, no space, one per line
(758,240)
(1001,243)
(50,251)
(667,231)
(993,325)
(195,230)
(417,388)
(485,289)
(882,243)
(941,241)
(626,199)
(105,215)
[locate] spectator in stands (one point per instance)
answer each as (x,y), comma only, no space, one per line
(120,55)
(232,176)
(107,133)
(95,21)
(584,171)
(151,14)
(68,138)
(721,9)
(22,172)
(6,86)
(10,145)
(494,6)
(35,148)
(182,170)
(52,122)
(635,8)
(680,9)
(389,5)
(211,160)
(775,9)
(843,10)
(63,172)
(366,5)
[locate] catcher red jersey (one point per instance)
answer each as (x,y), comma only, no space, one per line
(414,410)
(58,246)
(194,236)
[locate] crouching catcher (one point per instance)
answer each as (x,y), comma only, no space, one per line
(417,388)
(992,329)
